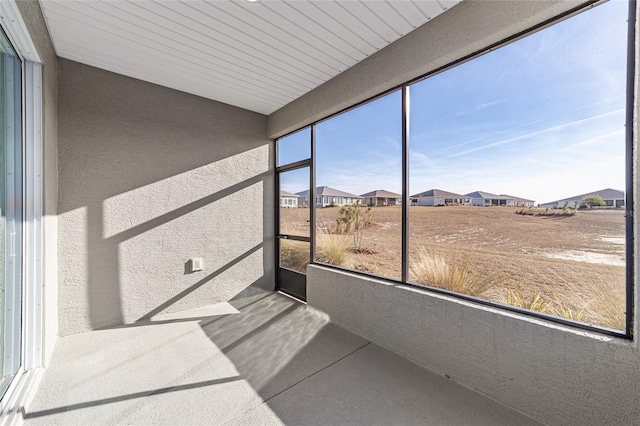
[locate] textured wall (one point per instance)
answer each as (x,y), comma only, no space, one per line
(465,29)
(150,177)
(32,15)
(556,374)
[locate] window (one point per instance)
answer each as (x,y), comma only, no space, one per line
(358,154)
(11,212)
(527,128)
(294,147)
(517,168)
(293,219)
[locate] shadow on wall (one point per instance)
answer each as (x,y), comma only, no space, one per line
(149,178)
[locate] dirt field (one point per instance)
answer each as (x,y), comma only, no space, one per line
(574,265)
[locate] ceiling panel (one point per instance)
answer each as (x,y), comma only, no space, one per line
(257,55)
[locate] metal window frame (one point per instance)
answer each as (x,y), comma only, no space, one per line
(297,165)
(629,156)
(628,333)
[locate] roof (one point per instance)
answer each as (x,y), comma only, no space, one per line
(327,191)
(606,194)
(381,193)
(511,197)
(482,194)
(287,194)
(438,193)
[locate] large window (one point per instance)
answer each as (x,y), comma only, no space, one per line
(517,167)
(359,176)
(523,150)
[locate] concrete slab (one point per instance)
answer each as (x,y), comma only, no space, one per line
(260,360)
(374,386)
(202,366)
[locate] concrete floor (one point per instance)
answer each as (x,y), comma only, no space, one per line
(264,360)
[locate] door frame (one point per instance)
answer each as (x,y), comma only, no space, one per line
(288,281)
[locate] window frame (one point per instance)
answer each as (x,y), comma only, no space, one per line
(628,333)
(32,265)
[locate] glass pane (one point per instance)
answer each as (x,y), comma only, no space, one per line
(294,255)
(517,172)
(10,212)
(294,202)
(359,170)
(294,147)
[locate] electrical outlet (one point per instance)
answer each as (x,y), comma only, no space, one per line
(197,264)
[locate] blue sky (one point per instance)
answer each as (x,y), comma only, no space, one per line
(541,118)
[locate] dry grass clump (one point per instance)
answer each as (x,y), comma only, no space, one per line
(563,309)
(294,255)
(432,269)
(332,248)
(557,306)
(532,302)
(604,307)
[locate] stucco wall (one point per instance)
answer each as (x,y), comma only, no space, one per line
(467,28)
(150,177)
(559,375)
(32,15)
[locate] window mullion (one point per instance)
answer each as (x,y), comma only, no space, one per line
(405,183)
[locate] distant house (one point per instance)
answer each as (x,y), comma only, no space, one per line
(481,198)
(326,196)
(381,197)
(520,202)
(437,197)
(612,198)
(288,200)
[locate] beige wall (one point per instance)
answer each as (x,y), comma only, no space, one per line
(150,177)
(557,374)
(32,15)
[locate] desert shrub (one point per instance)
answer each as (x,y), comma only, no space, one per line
(592,200)
(332,248)
(354,218)
(432,269)
(547,212)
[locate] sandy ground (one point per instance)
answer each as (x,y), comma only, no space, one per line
(576,260)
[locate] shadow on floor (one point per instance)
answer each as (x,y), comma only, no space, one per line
(272,361)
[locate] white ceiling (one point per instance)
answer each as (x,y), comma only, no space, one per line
(254,55)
